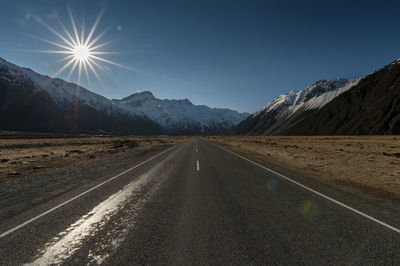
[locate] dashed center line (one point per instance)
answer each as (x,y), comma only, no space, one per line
(198,165)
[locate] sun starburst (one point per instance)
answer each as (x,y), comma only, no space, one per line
(83,53)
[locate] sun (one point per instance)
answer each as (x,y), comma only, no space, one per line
(81,53)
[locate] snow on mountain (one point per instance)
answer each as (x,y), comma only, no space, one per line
(312,97)
(174,115)
(288,108)
(61,91)
(181,114)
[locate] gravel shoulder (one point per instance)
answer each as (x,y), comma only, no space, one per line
(75,172)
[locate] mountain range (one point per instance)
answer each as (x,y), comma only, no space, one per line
(369,105)
(33,102)
(182,116)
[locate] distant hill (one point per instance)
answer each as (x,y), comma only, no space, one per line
(287,109)
(371,107)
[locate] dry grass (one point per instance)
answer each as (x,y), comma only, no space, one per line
(370,164)
(21,157)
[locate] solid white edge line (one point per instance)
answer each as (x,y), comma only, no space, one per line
(198,165)
(315,192)
(81,194)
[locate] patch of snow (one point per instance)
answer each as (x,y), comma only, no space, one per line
(312,97)
(63,92)
(169,113)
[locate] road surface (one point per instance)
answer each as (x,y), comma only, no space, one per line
(199,204)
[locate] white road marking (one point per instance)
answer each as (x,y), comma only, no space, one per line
(197,149)
(315,192)
(198,165)
(79,195)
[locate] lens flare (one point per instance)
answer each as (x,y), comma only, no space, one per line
(305,207)
(272,184)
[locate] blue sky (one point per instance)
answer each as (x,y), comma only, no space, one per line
(235,54)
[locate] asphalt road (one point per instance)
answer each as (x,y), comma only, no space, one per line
(199,204)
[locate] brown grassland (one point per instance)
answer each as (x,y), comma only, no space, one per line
(22,156)
(366,164)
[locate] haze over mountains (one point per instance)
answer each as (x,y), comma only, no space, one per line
(33,102)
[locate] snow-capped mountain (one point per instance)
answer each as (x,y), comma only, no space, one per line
(33,102)
(61,91)
(372,107)
(72,104)
(182,115)
(286,109)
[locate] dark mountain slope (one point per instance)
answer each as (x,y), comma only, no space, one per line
(371,107)
(25,107)
(285,110)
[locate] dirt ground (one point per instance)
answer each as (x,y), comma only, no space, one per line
(367,164)
(31,155)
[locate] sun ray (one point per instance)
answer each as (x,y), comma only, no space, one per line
(74,26)
(95,72)
(64,67)
(79,71)
(47,51)
(111,62)
(55,32)
(118,65)
(50,42)
(100,53)
(98,37)
(83,33)
(64,58)
(67,32)
(87,74)
(99,45)
(73,68)
(97,65)
(94,26)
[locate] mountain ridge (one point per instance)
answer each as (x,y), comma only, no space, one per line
(63,95)
(286,109)
(182,115)
(370,107)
